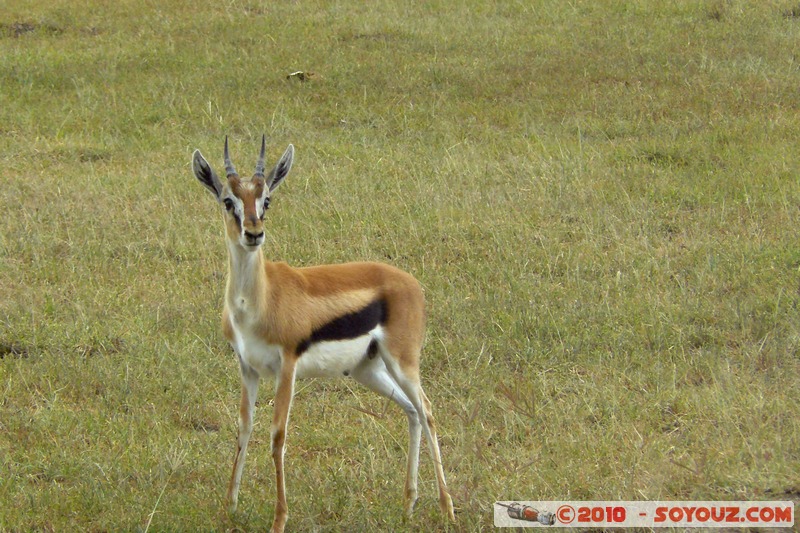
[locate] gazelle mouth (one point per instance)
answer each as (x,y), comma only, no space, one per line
(253,245)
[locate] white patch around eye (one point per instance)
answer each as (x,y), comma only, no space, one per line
(238,206)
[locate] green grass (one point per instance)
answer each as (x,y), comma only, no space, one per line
(600,199)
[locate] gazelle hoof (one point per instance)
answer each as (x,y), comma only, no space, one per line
(446,504)
(410,504)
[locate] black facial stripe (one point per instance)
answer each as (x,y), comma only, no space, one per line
(230,207)
(348,326)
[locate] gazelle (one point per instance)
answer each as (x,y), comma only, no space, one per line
(362,320)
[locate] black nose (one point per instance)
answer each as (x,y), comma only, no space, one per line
(253,237)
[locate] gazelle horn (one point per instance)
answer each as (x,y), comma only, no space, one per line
(229,170)
(260,165)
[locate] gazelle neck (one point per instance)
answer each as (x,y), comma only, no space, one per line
(247,279)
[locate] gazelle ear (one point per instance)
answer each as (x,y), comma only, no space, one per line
(278,174)
(205,174)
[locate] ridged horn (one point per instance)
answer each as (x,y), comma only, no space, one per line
(229,170)
(260,165)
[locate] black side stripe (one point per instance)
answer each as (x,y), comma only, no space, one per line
(348,326)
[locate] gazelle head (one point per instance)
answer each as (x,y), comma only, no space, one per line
(245,200)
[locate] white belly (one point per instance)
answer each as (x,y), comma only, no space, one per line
(333,359)
(320,360)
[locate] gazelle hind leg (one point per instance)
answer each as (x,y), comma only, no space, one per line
(245,429)
(413,389)
(445,501)
(374,376)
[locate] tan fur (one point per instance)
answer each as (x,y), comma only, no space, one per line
(295,301)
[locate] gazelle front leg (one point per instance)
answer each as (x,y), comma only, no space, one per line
(284,391)
(247,408)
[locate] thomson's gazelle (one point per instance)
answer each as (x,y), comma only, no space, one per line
(362,320)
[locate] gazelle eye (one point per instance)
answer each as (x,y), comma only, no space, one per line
(264,211)
(228,204)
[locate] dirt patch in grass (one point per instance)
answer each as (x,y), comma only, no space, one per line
(18,29)
(14,350)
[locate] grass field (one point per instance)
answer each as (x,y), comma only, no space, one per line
(601,200)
